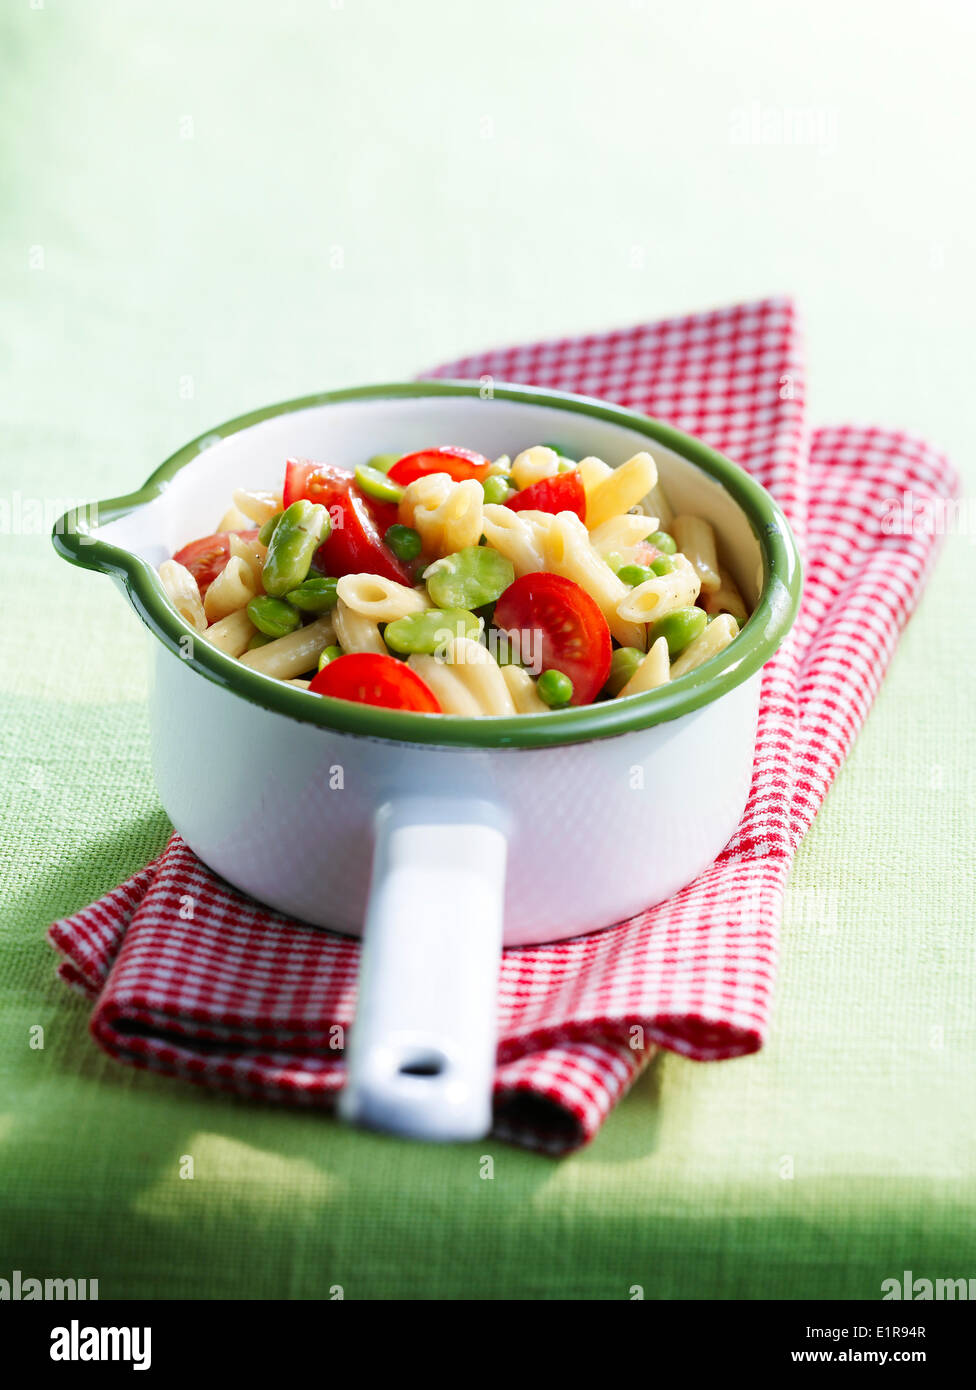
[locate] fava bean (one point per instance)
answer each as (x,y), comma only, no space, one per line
(678,629)
(316,595)
(273,616)
(498,488)
(328,654)
(426,631)
(377,484)
(623,664)
(469,578)
(384,462)
(555,689)
(299,533)
(268,529)
(260,639)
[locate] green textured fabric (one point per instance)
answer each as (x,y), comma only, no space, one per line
(211,207)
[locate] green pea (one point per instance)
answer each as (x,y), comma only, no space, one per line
(615,560)
(566,466)
(384,462)
(272,616)
(469,578)
(377,484)
(498,488)
(299,533)
(554,689)
(316,595)
(634,575)
(679,628)
(404,541)
(425,632)
(329,654)
(664,542)
(260,639)
(268,529)
(623,664)
(663,565)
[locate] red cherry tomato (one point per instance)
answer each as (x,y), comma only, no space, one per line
(459,463)
(316,482)
(561,493)
(372,679)
(355,543)
(206,558)
(574,635)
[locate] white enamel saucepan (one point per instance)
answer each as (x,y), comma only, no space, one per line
(440,838)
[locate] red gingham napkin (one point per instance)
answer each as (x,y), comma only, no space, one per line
(240,998)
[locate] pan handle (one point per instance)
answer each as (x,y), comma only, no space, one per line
(421,1055)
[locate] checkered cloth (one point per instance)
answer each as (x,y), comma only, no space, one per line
(270,999)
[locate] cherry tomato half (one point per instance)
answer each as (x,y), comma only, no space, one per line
(573,632)
(561,493)
(206,558)
(458,463)
(355,543)
(372,679)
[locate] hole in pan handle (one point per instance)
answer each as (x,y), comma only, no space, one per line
(421,1057)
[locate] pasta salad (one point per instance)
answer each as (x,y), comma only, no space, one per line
(444,582)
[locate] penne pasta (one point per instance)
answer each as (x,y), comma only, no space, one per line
(622,534)
(445,685)
(621,490)
(656,504)
(532,465)
(287,657)
(259,507)
(569,553)
(253,554)
(445,514)
(519,536)
(714,639)
(663,594)
(469,680)
(233,520)
(379,599)
(726,599)
(183,593)
(593,473)
(355,632)
(233,588)
(522,689)
(695,540)
(231,634)
(653,671)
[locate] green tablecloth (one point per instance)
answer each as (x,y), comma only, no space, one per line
(211,207)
